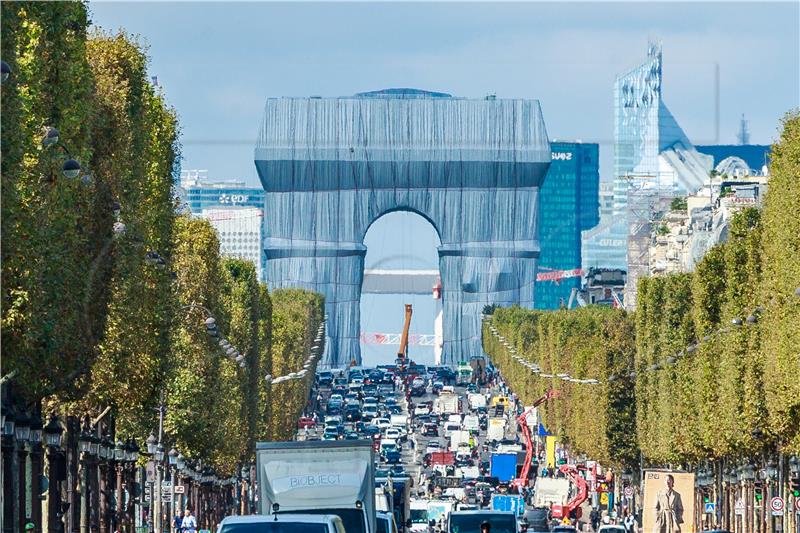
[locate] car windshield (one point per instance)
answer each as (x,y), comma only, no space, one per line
(274,527)
(471,523)
(419,516)
(353,519)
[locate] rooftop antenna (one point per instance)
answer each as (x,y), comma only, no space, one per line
(744,133)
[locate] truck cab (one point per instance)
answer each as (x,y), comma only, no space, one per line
(289,523)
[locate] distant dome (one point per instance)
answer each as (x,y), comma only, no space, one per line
(403,93)
(733,166)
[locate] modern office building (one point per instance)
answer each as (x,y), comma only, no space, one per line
(239,230)
(653,159)
(568,205)
(235,210)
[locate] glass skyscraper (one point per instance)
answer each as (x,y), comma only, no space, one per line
(652,157)
(568,204)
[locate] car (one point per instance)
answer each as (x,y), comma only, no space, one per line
(394,410)
(325,378)
(473,388)
(390,401)
(330,434)
(351,399)
(306,422)
(382,423)
(352,414)
(341,390)
(430,430)
(433,446)
(392,456)
(437,387)
(614,528)
(393,433)
(421,410)
(563,529)
(398,470)
(352,435)
(279,523)
(372,430)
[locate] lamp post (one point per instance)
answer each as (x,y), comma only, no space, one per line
(52,437)
(22,432)
(173,463)
(85,450)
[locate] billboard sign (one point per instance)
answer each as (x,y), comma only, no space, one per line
(668,505)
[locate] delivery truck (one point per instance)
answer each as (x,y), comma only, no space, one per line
(496,430)
(504,466)
(321,478)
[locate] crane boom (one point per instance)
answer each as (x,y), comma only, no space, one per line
(402,352)
(522,420)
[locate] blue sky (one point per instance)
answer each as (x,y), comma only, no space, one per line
(218,62)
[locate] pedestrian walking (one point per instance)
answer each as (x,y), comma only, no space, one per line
(594,518)
(189,522)
(629,522)
(177,522)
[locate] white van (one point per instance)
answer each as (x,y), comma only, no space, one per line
(282,523)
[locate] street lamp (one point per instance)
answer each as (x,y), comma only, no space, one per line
(36,429)
(84,442)
(152,444)
(120,453)
(180,462)
(173,457)
(771,469)
(52,432)
(8,422)
(159,453)
(23,429)
(5,71)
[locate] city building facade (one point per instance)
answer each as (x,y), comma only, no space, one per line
(653,160)
(235,210)
(568,205)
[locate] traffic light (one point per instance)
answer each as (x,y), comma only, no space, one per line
(794,484)
(706,492)
(759,489)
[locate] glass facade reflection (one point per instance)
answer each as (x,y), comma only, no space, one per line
(568,205)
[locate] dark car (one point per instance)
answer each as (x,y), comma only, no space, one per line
(472,388)
(341,390)
(430,430)
(352,435)
(392,456)
(333,410)
(372,430)
(394,410)
(352,414)
(325,378)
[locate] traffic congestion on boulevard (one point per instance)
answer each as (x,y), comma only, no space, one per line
(443,450)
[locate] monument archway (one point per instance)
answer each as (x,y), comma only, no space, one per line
(332,166)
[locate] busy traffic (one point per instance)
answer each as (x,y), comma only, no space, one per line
(422,449)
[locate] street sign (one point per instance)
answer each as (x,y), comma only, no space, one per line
(776,505)
(629,491)
(180,489)
(710,508)
(739,507)
(797,505)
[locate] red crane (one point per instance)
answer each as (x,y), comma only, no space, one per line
(560,511)
(522,480)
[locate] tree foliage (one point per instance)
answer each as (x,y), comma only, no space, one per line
(590,343)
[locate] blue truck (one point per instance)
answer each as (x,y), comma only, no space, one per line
(504,466)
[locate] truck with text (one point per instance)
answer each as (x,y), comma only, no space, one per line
(321,478)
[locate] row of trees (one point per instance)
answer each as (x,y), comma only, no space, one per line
(709,364)
(104,285)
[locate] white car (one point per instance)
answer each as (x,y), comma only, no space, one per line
(382,423)
(393,433)
(433,447)
(336,398)
(421,410)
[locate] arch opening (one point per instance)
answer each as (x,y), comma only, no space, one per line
(401,266)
